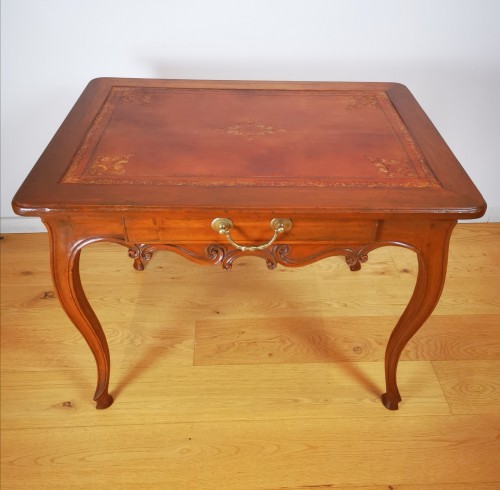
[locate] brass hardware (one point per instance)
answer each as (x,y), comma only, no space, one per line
(224,226)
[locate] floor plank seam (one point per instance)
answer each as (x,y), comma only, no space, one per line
(247,421)
(442,389)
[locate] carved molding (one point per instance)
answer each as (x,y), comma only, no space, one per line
(278,254)
(143,253)
(233,254)
(217,253)
(353,257)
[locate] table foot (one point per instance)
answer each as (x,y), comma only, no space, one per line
(390,401)
(104,401)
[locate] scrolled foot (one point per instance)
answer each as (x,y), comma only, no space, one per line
(390,401)
(104,401)
(355,267)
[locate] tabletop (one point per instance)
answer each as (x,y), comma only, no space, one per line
(132,144)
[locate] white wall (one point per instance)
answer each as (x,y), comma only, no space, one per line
(446,51)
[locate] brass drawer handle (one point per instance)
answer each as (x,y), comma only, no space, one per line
(225,225)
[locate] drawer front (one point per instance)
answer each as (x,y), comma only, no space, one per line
(249,230)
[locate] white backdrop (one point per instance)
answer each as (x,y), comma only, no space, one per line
(446,51)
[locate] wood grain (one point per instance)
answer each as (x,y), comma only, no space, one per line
(214,393)
(471,386)
(306,417)
(264,454)
(319,339)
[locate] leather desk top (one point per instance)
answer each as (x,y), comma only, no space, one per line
(364,148)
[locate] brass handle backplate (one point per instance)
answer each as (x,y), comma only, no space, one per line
(225,225)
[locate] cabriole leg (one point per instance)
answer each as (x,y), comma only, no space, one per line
(65,261)
(432,262)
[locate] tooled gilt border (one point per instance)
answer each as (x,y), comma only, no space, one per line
(380,100)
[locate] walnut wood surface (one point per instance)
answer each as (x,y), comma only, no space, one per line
(148,164)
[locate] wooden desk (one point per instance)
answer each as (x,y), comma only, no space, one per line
(213,171)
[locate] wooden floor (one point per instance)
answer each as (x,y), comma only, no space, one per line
(251,379)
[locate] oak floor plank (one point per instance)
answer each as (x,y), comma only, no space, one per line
(161,392)
(270,299)
(470,386)
(48,345)
(253,341)
(258,454)
(323,339)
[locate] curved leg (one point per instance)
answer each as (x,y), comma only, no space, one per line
(432,262)
(65,260)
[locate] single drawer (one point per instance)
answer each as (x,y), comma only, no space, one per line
(249,230)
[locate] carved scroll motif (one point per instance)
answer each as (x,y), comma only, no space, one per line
(353,257)
(143,253)
(279,254)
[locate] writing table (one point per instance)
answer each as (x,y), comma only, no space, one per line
(213,171)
